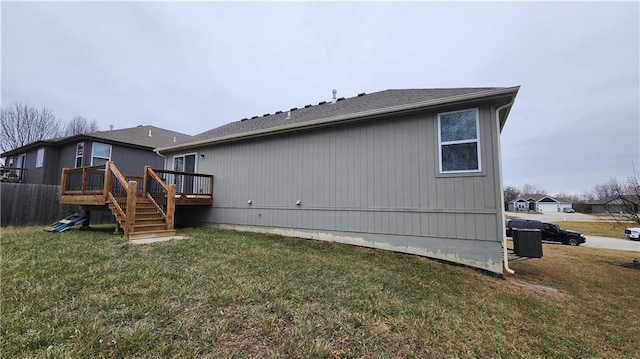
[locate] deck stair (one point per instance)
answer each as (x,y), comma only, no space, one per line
(149,222)
(143,206)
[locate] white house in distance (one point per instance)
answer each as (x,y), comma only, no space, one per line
(415,171)
(538,203)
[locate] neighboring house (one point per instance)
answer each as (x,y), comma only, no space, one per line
(41,162)
(538,203)
(414,171)
(616,205)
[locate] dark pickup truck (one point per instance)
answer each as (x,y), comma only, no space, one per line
(549,231)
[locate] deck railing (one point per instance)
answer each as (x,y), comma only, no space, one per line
(163,196)
(121,194)
(188,183)
(83,180)
(13,174)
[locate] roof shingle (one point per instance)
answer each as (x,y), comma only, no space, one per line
(343,106)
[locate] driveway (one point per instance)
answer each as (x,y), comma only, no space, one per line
(612,243)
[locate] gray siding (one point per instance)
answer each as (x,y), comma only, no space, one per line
(131,161)
(374,184)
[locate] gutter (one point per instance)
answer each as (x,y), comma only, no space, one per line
(503,218)
(344,118)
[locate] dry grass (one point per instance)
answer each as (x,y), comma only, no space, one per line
(603,229)
(237,295)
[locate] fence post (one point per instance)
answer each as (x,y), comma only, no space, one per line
(171,206)
(131,206)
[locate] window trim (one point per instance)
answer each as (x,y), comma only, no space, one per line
(40,157)
(476,141)
(93,149)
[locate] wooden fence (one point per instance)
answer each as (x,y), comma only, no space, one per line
(35,205)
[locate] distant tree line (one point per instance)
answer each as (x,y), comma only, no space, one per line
(21,124)
(625,193)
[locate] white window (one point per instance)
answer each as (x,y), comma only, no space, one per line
(459,141)
(101,154)
(79,154)
(40,157)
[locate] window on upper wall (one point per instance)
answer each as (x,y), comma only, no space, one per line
(79,154)
(459,141)
(40,157)
(101,154)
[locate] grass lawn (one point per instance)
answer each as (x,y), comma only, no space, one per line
(604,229)
(223,294)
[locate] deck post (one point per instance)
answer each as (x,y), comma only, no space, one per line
(145,179)
(63,181)
(171,205)
(107,180)
(131,206)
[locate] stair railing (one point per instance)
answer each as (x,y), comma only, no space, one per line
(163,196)
(121,194)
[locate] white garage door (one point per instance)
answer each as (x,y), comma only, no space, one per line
(548,207)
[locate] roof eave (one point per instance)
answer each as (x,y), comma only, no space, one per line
(510,91)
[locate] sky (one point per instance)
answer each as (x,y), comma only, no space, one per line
(193,66)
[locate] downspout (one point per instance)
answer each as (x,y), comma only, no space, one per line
(161,155)
(501,224)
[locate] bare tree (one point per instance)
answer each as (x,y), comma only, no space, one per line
(532,189)
(80,125)
(511,193)
(21,124)
(626,198)
(607,190)
(573,198)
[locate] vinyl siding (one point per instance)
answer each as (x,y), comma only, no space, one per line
(374,184)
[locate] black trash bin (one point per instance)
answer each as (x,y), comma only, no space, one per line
(527,243)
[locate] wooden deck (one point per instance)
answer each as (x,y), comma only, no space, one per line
(144,206)
(85,186)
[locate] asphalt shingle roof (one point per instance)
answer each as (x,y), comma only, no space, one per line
(148,136)
(136,136)
(343,106)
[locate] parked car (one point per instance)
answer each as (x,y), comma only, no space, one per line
(568,210)
(632,233)
(549,231)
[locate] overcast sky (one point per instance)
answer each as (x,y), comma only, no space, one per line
(190,67)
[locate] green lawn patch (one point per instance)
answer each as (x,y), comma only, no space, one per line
(224,294)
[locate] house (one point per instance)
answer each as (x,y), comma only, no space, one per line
(41,162)
(538,203)
(415,171)
(625,204)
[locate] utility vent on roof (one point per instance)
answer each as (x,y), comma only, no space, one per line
(322,102)
(307,106)
(341,98)
(254,117)
(362,94)
(293,109)
(266,114)
(244,119)
(150,133)
(278,112)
